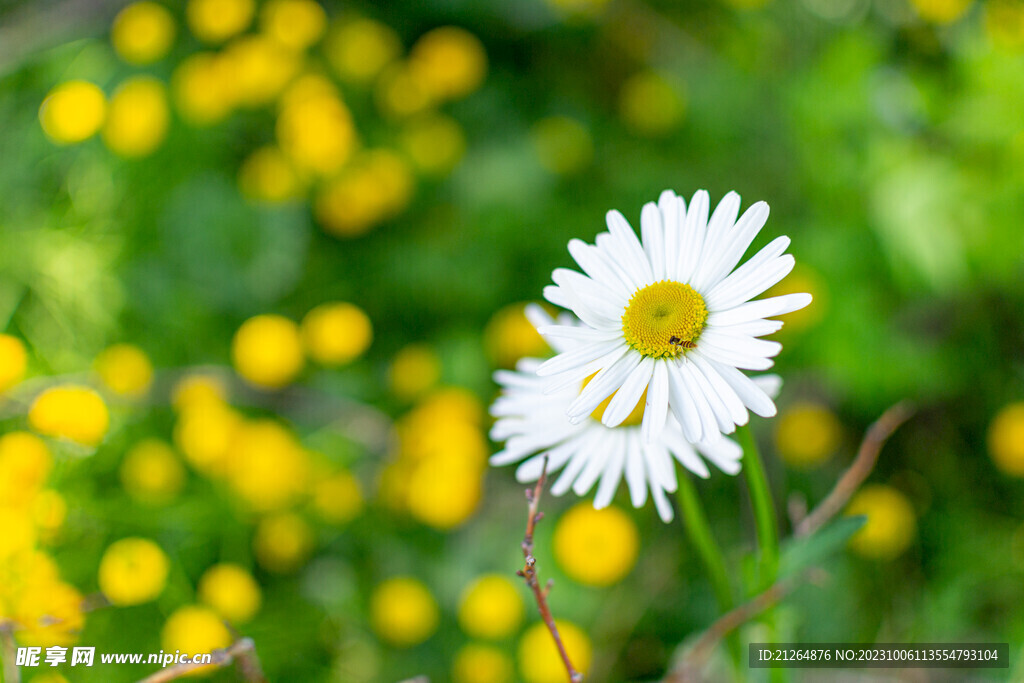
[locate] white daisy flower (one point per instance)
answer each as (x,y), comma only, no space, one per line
(671,317)
(533,423)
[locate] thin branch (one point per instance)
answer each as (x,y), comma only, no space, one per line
(693,662)
(876,436)
(242,652)
(529,572)
(10,653)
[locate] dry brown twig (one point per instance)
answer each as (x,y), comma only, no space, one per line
(529,572)
(693,662)
(242,652)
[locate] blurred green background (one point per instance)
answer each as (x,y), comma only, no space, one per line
(176,171)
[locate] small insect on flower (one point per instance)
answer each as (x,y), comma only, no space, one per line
(681,343)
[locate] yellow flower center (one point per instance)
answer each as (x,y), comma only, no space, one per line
(664,319)
(632,420)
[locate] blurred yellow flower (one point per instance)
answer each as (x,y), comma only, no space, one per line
(539,661)
(428,433)
(563,145)
(268,467)
(137,118)
(133,571)
(125,369)
(49,510)
(13,361)
(268,175)
(941,11)
(194,629)
(807,434)
(891,524)
(296,24)
(1004,22)
(19,533)
(151,473)
(476,663)
(25,463)
(267,351)
(260,69)
(583,7)
(399,94)
(48,613)
(452,404)
(48,677)
(1006,439)
(315,128)
(359,49)
(337,498)
(214,21)
(448,62)
(596,547)
(491,607)
(435,143)
(203,433)
(231,591)
(196,390)
(73,111)
(445,490)
(142,32)
(403,612)
(336,333)
(70,412)
(283,542)
(651,104)
(204,89)
(375,187)
(509,336)
(414,370)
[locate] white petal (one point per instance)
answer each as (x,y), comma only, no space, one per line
(632,253)
(750,270)
(762,308)
(752,395)
(611,478)
(577,357)
(579,458)
(635,476)
(682,406)
(579,334)
(708,422)
(657,482)
(600,455)
(739,343)
(685,454)
(769,384)
(574,378)
(656,408)
(590,311)
(725,454)
(597,266)
(694,230)
(719,231)
(729,293)
(537,316)
(718,408)
(734,246)
(628,396)
(672,211)
(604,383)
(726,350)
(594,296)
(653,233)
(738,414)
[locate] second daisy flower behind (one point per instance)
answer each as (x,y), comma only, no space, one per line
(671,317)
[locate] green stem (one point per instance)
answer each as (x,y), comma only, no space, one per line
(764,507)
(697,529)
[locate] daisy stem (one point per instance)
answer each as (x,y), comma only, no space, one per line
(697,528)
(764,507)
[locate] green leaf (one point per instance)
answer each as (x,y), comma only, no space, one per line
(800,553)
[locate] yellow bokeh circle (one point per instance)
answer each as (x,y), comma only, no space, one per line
(491,607)
(13,361)
(125,370)
(807,434)
(70,412)
(336,333)
(73,111)
(133,571)
(267,351)
(891,523)
(214,21)
(151,472)
(1006,439)
(403,612)
(539,660)
(476,663)
(596,547)
(231,591)
(194,630)
(142,32)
